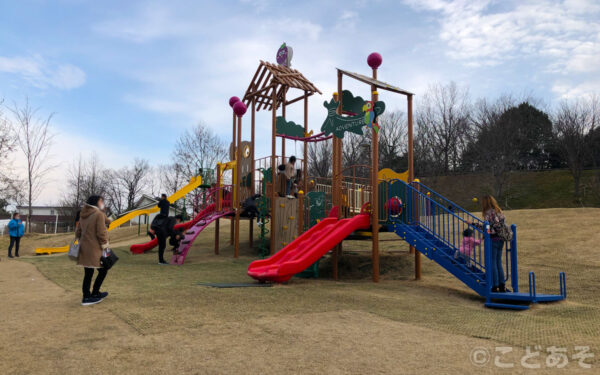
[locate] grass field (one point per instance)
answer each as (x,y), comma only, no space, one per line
(158,320)
(523,190)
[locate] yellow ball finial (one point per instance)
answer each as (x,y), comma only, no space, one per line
(474,199)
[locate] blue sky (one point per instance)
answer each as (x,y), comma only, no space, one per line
(126,78)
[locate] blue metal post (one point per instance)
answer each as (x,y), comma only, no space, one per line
(514,281)
(488,258)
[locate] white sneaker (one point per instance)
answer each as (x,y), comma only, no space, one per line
(290,196)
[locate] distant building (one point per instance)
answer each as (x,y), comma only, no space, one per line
(46,213)
(49,219)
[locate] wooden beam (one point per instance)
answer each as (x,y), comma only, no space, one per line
(273,173)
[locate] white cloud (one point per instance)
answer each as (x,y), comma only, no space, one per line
(152,22)
(476,33)
(42,74)
(570,90)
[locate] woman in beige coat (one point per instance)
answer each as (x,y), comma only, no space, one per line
(92,236)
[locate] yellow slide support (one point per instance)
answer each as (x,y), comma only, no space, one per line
(193,184)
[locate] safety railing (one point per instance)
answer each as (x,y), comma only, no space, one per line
(441,200)
(435,217)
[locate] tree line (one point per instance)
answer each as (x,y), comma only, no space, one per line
(27,136)
(454,134)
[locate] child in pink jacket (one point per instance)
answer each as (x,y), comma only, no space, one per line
(467,246)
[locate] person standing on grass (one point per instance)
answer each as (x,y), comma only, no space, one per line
(162,216)
(92,236)
(492,213)
(16,230)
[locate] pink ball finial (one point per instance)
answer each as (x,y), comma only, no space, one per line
(233,100)
(374,60)
(239,108)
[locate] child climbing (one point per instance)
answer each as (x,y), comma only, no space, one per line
(467,247)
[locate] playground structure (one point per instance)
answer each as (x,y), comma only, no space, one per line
(194,183)
(297,232)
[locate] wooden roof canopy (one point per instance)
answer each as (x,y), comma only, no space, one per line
(272,78)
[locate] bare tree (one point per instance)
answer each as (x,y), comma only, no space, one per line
(7,139)
(171,178)
(574,120)
(353,152)
(133,180)
(198,149)
(319,159)
(115,196)
(442,125)
(35,140)
(85,177)
(393,141)
(7,146)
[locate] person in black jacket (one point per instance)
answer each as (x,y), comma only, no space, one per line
(163,231)
(159,219)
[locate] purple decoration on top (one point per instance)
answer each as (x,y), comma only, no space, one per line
(233,100)
(374,60)
(239,108)
(284,55)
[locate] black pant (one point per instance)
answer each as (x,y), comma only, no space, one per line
(161,236)
(87,281)
(16,242)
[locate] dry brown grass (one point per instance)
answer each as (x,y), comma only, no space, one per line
(157,320)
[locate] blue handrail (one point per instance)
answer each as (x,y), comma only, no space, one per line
(447,202)
(437,219)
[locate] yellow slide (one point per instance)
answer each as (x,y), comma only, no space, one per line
(193,184)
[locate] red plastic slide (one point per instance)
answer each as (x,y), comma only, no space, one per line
(143,247)
(308,248)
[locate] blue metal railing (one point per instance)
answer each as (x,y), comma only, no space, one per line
(442,219)
(435,196)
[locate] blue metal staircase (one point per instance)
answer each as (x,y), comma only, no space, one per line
(434,226)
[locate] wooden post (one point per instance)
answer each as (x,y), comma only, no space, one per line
(336,178)
(282,138)
(218,208)
(253,168)
(236,187)
(375,192)
(411,174)
(273,169)
(300,212)
(305,167)
(233,147)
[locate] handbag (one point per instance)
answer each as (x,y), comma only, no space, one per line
(108,259)
(74,250)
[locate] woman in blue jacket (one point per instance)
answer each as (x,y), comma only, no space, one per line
(16,230)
